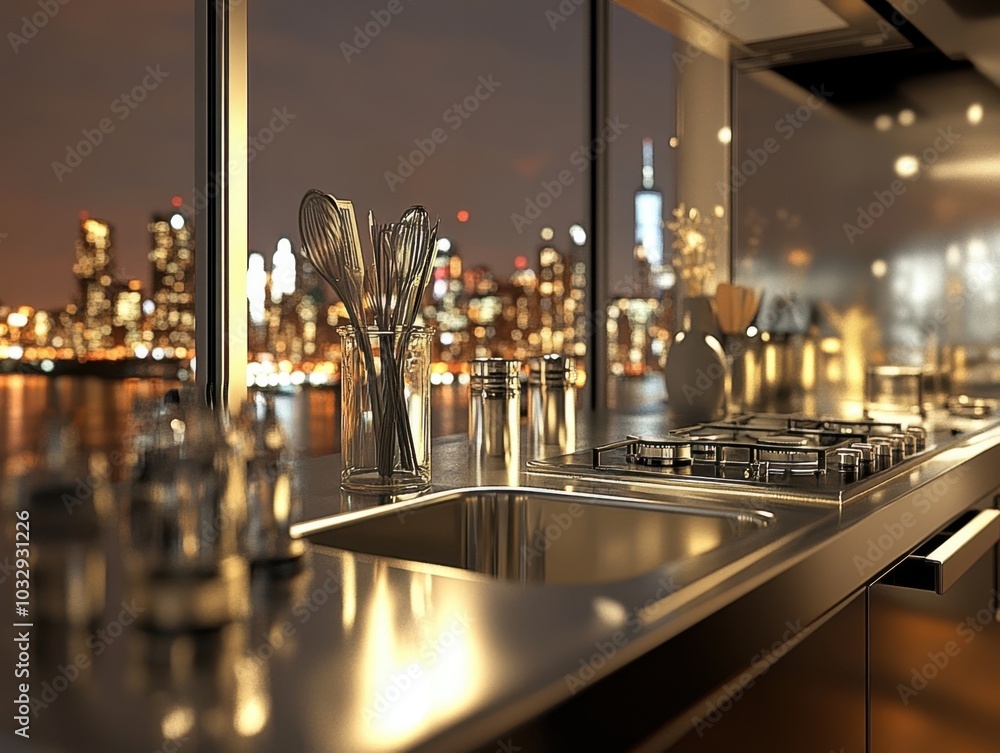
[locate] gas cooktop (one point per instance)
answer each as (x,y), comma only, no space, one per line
(824,458)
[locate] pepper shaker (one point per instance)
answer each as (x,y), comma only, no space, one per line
(552,401)
(495,408)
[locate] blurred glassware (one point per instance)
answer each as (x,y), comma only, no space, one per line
(273,501)
(58,529)
(185,569)
(895,389)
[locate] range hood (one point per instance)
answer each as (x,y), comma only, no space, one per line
(790,35)
(772,33)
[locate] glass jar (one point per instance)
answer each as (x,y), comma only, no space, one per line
(386,409)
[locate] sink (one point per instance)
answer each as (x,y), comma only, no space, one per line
(538,535)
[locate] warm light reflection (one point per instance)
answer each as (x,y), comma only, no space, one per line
(416,670)
(349,611)
(177,722)
(974,114)
(906,166)
(879,268)
(252,701)
(799,257)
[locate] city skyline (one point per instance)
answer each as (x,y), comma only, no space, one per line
(500,157)
(292,319)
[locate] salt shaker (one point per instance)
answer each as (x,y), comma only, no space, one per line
(495,408)
(552,401)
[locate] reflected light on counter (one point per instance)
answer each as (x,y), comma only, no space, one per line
(906,166)
(809,365)
(974,114)
(349,611)
(977,250)
(953,256)
(253,706)
(177,722)
(879,269)
(610,611)
(883,122)
(799,257)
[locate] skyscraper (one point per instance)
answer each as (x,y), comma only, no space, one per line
(94,270)
(172,258)
(649,222)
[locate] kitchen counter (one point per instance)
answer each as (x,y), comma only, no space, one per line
(364,653)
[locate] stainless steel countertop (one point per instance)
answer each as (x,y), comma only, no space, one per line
(363,653)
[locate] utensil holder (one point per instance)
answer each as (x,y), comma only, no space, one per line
(386,409)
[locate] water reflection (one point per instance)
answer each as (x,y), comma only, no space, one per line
(100,407)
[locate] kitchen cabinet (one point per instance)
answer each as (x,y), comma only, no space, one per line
(935,657)
(811,698)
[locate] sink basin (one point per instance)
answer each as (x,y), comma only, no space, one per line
(538,535)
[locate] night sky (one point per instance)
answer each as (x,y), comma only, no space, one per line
(346,122)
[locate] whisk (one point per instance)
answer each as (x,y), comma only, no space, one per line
(385,298)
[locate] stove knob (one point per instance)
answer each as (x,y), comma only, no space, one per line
(884,455)
(901,446)
(919,436)
(867,461)
(849,463)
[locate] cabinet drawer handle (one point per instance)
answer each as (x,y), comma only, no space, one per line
(941,568)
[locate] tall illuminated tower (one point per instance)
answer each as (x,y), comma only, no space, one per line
(172,257)
(94,272)
(649,221)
